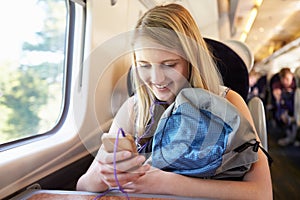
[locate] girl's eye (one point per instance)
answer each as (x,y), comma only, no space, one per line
(169,64)
(143,65)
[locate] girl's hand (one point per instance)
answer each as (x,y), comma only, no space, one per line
(153,182)
(128,167)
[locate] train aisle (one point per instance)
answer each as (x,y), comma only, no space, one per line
(285,169)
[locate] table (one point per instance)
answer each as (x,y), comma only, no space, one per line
(39,194)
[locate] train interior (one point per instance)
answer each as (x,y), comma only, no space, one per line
(97,63)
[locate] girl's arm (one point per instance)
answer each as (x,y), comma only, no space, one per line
(100,175)
(256,184)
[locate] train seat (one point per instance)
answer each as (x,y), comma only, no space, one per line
(297,97)
(235,61)
(257,111)
(233,68)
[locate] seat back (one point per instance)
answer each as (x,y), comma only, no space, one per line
(297,97)
(233,70)
(297,107)
(235,76)
(257,111)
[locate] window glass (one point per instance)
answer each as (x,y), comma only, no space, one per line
(32,54)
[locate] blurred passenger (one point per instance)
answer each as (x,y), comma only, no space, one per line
(283,91)
(262,88)
(257,86)
(253,89)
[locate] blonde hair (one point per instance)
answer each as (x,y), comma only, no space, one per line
(173,27)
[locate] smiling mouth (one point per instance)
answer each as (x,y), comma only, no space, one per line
(161,86)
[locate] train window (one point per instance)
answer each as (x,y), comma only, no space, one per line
(32,65)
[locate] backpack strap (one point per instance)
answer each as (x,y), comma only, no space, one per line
(255,148)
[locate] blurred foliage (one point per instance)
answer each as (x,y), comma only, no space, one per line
(26,90)
(25,93)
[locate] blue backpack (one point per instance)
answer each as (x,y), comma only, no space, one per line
(203,135)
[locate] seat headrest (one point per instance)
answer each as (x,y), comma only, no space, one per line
(232,67)
(243,51)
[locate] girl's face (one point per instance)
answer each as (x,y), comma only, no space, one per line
(164,72)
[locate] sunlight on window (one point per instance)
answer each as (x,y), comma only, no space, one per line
(32,54)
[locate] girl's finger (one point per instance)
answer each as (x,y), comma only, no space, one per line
(130,165)
(106,157)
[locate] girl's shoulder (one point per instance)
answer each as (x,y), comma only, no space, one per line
(124,117)
(223,90)
(128,104)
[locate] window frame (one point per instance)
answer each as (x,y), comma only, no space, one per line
(44,154)
(68,61)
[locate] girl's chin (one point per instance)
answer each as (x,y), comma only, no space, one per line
(167,97)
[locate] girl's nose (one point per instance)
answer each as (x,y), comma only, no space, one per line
(157,74)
